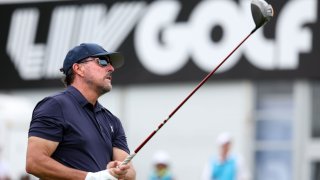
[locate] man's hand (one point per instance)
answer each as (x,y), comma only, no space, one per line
(113,172)
(116,170)
(101,175)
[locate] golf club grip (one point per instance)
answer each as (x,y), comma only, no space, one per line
(128,159)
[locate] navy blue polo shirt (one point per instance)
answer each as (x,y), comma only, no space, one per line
(86,133)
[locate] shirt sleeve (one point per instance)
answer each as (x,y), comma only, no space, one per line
(47,120)
(120,139)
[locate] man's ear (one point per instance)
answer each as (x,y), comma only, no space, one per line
(78,69)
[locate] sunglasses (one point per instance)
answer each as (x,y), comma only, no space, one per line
(102,61)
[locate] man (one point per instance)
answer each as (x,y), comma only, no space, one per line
(71,135)
(161,163)
(225,166)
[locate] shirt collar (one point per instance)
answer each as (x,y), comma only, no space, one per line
(81,99)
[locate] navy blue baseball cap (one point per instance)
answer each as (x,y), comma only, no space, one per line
(86,50)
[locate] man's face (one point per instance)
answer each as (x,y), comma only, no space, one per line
(97,74)
(161,169)
(225,148)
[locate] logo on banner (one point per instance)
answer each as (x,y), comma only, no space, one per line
(178,42)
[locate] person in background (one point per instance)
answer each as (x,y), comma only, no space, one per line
(161,167)
(71,135)
(25,177)
(225,165)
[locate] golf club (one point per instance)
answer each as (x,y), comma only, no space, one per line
(262,12)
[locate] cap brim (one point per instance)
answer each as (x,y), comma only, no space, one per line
(117,59)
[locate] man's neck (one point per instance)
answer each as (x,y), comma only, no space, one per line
(88,93)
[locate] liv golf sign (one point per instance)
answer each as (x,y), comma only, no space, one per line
(162,41)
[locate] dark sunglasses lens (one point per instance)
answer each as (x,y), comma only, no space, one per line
(104,62)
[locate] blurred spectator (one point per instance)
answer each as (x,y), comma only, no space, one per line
(225,166)
(161,171)
(25,177)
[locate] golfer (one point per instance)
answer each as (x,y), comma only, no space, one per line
(71,135)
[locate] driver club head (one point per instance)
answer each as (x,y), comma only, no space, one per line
(261,11)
